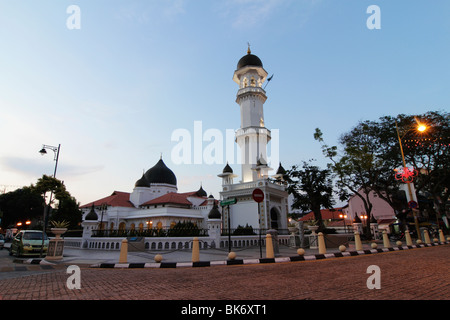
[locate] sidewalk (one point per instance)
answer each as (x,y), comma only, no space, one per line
(208,257)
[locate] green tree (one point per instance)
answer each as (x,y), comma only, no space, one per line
(28,203)
(20,205)
(370,152)
(66,208)
(312,189)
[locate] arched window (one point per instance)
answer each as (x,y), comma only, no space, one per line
(274,218)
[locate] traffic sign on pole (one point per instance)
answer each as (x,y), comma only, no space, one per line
(413,204)
(227,202)
(258,195)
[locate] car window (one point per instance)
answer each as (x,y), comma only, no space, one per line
(34,236)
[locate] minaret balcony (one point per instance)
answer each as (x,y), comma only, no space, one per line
(250,89)
(253,131)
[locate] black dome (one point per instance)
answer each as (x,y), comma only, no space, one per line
(159,173)
(249,60)
(201,192)
(91,215)
(281,170)
(214,213)
(142,182)
(227,169)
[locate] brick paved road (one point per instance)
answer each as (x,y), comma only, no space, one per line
(421,274)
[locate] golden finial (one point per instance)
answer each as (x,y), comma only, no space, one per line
(248,50)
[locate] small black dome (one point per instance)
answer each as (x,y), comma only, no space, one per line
(227,169)
(249,60)
(201,192)
(281,170)
(91,215)
(160,173)
(214,213)
(142,182)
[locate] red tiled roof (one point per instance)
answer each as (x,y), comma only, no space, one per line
(172,198)
(116,199)
(122,199)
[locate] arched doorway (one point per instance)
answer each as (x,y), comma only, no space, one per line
(274,218)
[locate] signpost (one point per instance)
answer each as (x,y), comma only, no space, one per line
(227,203)
(412,204)
(258,197)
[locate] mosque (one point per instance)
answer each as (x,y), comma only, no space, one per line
(156,203)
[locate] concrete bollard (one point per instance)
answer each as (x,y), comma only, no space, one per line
(408,238)
(386,242)
(195,250)
(269,247)
(231,255)
(358,243)
(322,247)
(374,245)
(158,258)
(300,251)
(426,236)
(123,251)
(441,236)
(342,248)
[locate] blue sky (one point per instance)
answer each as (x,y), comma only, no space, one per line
(113,92)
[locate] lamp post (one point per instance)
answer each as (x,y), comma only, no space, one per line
(420,128)
(363,218)
(103,208)
(46,207)
(343,216)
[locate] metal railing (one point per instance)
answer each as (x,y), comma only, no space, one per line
(248,231)
(158,232)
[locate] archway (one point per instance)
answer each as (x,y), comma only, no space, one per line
(274,218)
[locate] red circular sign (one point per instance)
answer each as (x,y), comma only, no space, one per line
(413,204)
(258,195)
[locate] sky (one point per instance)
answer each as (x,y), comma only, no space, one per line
(112,82)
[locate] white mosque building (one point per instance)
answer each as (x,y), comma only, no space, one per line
(156,203)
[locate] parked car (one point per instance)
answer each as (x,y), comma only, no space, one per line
(2,242)
(28,242)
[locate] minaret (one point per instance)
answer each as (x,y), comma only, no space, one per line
(253,136)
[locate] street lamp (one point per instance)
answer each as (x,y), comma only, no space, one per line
(55,150)
(343,216)
(363,217)
(56,157)
(408,174)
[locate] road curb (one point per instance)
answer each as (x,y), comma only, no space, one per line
(260,260)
